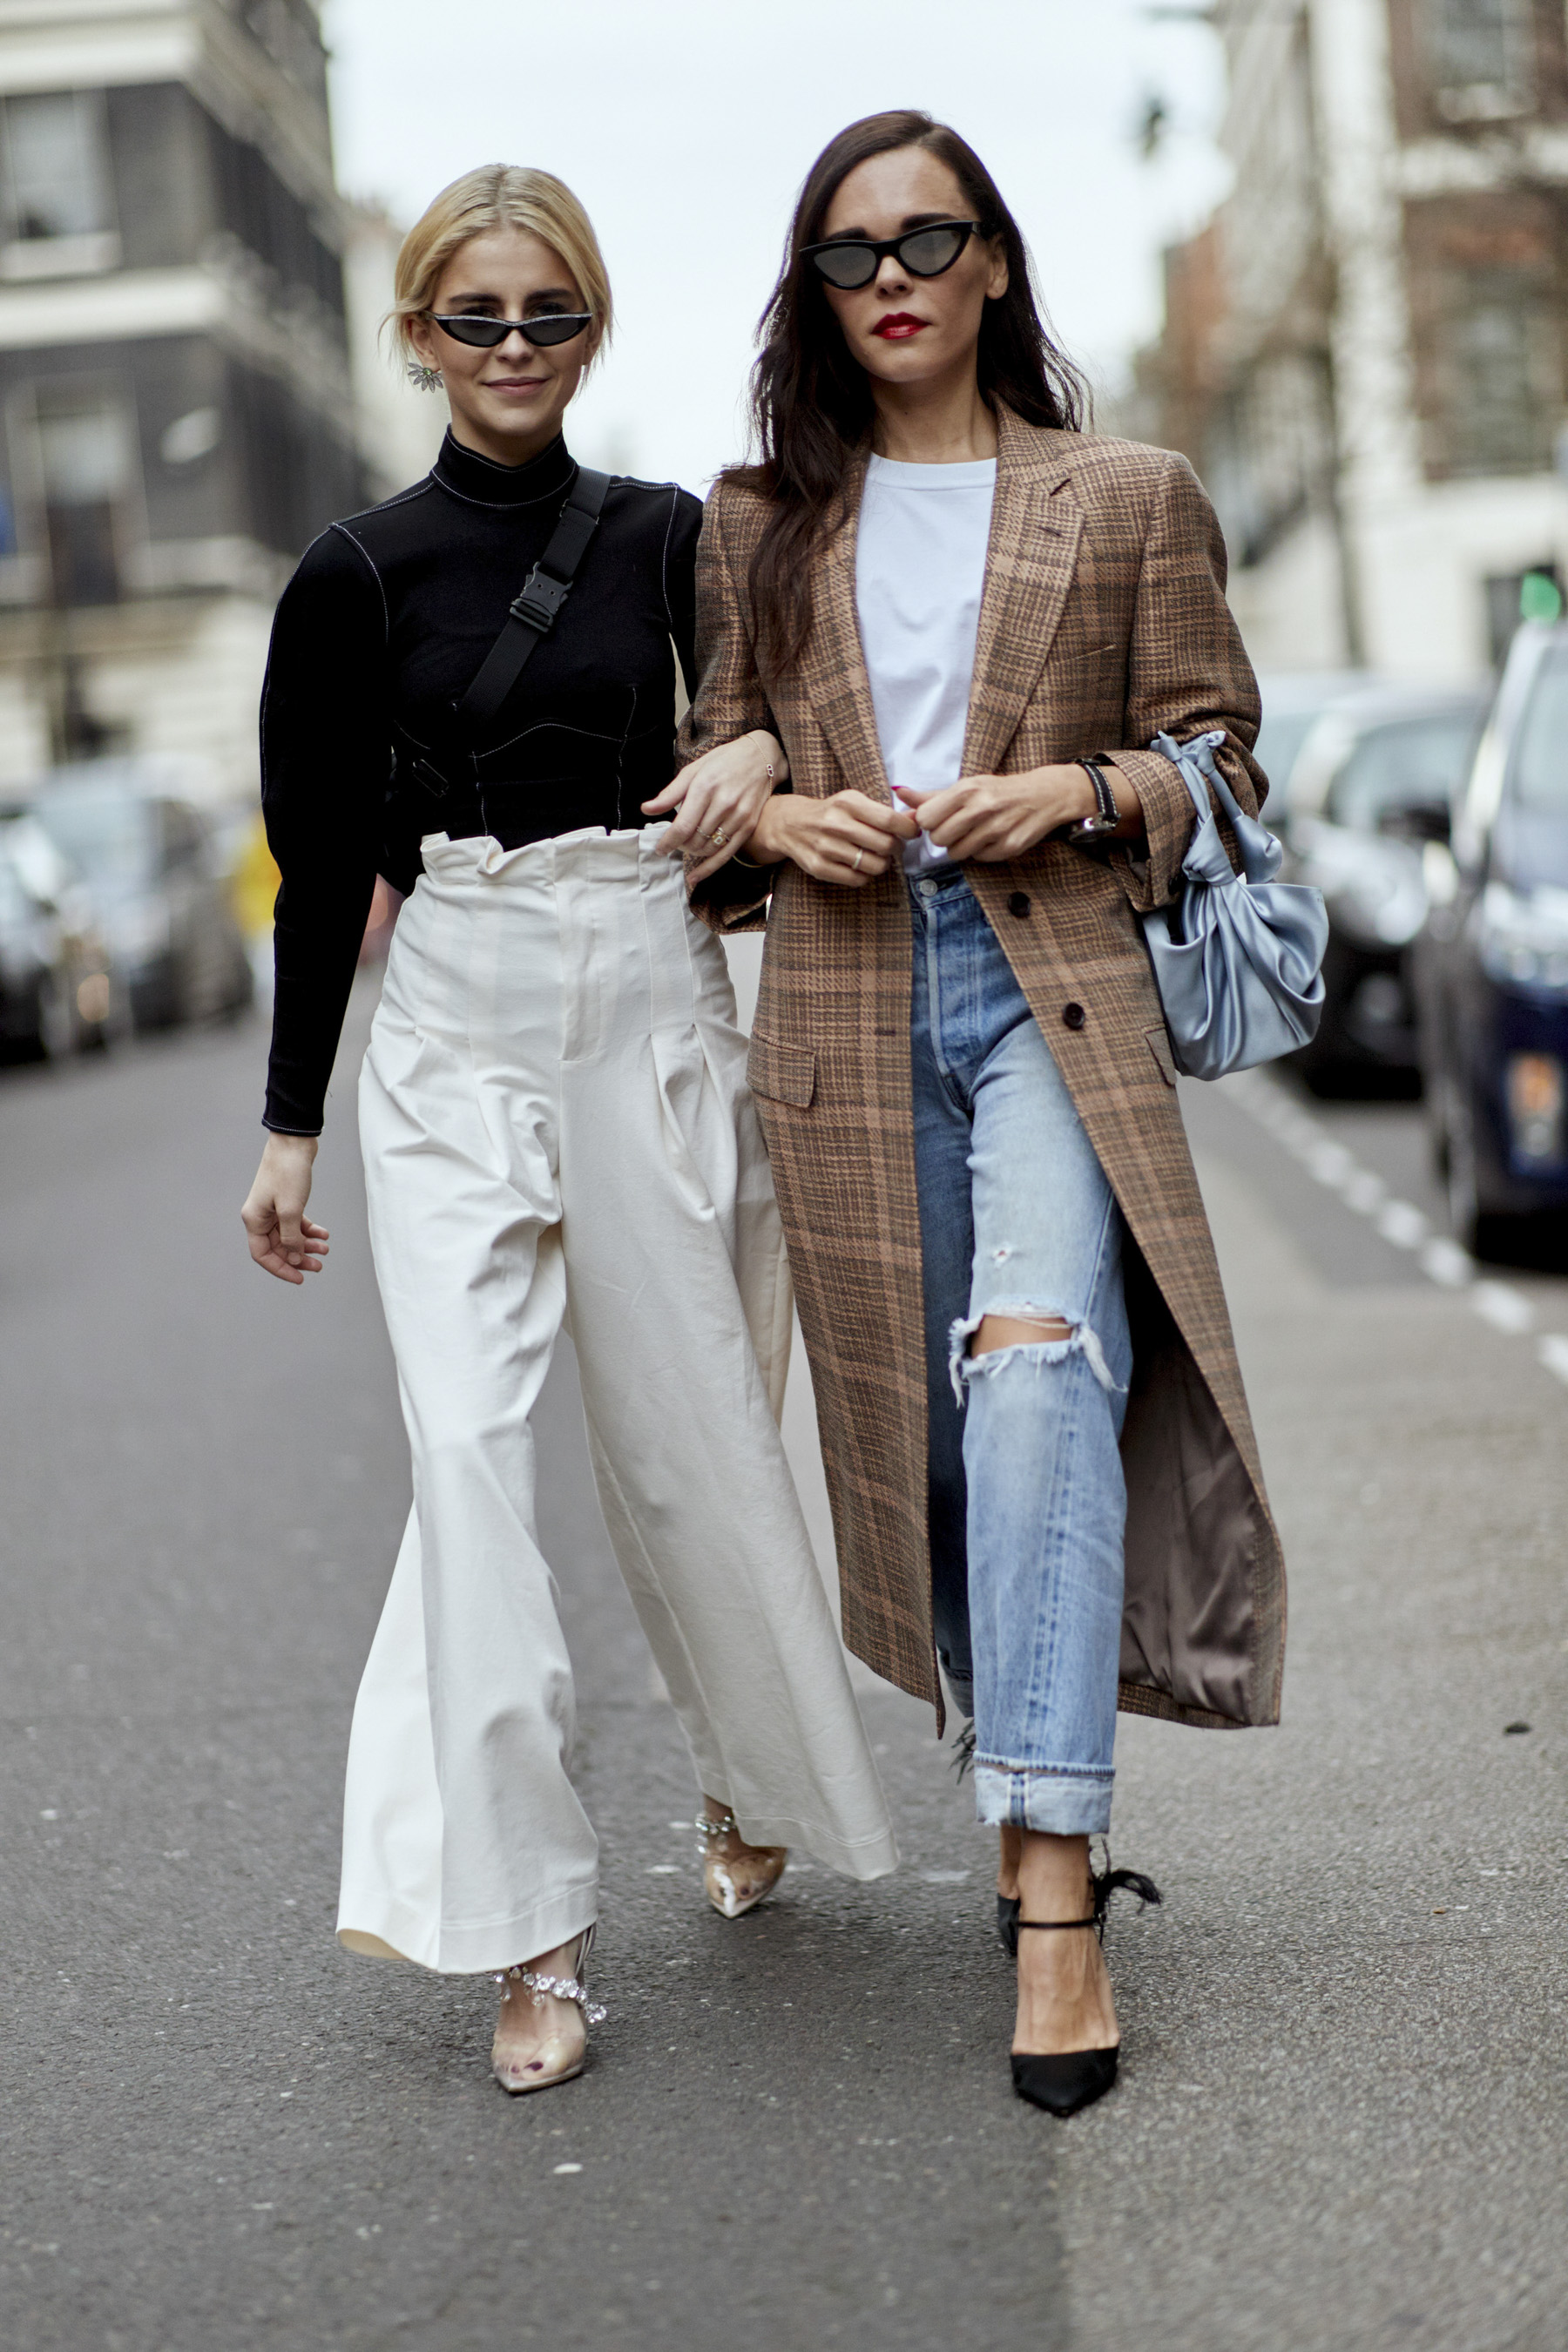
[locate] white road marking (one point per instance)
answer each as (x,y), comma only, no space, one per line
(1330,1163)
(1444,1262)
(1440,1257)
(1504,1309)
(1401,1224)
(1365,1192)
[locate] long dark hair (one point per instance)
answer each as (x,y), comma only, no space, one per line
(811,401)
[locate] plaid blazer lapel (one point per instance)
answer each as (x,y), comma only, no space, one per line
(1029,566)
(839,689)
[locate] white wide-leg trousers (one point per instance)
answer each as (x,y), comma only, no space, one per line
(555,1126)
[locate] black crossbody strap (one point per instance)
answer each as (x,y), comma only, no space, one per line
(538,603)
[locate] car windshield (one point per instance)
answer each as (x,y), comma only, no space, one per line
(108,835)
(1404,763)
(1541,775)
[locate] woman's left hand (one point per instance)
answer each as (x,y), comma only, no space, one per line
(718,800)
(996,817)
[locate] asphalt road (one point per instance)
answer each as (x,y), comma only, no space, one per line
(1340,2117)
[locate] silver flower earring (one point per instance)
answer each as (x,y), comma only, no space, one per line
(423,378)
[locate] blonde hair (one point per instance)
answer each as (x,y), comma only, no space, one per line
(499,195)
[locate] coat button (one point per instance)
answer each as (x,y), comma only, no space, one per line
(1073,1016)
(1018,904)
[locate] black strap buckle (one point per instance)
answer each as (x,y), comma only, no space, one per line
(539,600)
(538,603)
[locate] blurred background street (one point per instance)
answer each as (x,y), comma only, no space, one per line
(1321,248)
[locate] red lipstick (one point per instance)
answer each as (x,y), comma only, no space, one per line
(898,326)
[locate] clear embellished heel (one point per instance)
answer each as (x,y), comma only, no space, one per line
(519,2064)
(736,1875)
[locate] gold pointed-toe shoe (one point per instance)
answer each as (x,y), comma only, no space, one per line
(736,1875)
(521,2065)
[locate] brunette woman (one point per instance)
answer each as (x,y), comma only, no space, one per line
(967,620)
(554,1124)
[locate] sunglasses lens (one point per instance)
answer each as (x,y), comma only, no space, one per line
(484,334)
(931,250)
(544,332)
(846,266)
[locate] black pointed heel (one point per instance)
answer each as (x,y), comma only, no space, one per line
(1063,2082)
(1007,1910)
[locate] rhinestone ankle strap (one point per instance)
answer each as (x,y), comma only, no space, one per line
(710,1830)
(563,1989)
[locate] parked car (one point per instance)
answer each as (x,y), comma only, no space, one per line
(1492,965)
(148,860)
(1293,700)
(56,991)
(1370,787)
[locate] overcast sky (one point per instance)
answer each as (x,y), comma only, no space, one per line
(686,127)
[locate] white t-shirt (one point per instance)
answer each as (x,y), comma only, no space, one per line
(919,569)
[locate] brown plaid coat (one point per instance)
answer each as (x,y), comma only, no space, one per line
(1103,621)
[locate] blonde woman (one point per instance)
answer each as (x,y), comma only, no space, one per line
(556,1124)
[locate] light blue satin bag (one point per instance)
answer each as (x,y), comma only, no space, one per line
(1237,957)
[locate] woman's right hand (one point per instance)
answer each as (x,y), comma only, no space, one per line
(849,838)
(282,1238)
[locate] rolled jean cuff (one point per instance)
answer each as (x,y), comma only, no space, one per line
(1025,1797)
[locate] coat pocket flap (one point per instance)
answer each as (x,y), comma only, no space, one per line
(1160,1047)
(786,1074)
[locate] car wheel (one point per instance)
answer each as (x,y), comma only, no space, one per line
(1319,1069)
(1485,1232)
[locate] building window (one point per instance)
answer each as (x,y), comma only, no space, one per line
(291,37)
(57,180)
(1479,55)
(1499,373)
(55,202)
(86,466)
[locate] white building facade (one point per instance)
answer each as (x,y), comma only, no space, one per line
(180,403)
(1371,367)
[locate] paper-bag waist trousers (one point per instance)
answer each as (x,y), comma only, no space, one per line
(556,1127)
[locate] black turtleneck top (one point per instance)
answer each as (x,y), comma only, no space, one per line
(381,630)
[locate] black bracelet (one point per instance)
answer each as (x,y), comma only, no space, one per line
(1109,814)
(1107,817)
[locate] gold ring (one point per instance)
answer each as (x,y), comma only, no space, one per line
(859,854)
(719,838)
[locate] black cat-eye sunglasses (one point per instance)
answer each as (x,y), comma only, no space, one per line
(484,333)
(849,262)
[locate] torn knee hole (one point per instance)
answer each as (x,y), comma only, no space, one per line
(982,1346)
(994,1331)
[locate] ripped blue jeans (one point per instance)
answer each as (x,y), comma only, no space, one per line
(1027,1500)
